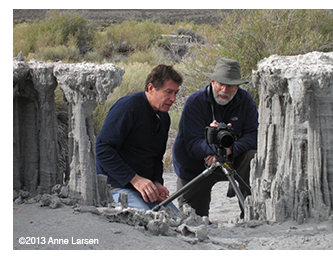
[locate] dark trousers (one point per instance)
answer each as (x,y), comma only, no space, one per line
(199,196)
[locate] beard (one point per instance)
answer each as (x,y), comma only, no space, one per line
(223,101)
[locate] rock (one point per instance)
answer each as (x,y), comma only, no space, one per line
(15,195)
(292,173)
(163,222)
(24,194)
(56,188)
(34,123)
(20,57)
(84,85)
(55,203)
(68,201)
(35,139)
(18,200)
(123,199)
(104,190)
(63,192)
(157,227)
(191,219)
(196,232)
(45,200)
(85,209)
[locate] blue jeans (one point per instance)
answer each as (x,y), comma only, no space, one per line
(135,200)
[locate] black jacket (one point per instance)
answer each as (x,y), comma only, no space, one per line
(132,141)
(190,148)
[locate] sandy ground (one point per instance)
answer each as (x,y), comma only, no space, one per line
(39,228)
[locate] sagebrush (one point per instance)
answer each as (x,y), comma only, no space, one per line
(244,35)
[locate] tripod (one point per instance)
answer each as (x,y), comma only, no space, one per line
(227,169)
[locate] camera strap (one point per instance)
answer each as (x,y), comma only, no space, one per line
(211,105)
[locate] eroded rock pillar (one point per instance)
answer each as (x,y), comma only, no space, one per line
(84,85)
(25,129)
(292,173)
(45,84)
(35,154)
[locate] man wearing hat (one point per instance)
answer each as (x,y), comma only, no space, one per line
(221,101)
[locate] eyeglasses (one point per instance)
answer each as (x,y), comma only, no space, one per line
(156,125)
(227,87)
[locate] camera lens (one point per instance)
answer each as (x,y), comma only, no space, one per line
(225,138)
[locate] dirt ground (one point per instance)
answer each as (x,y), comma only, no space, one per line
(40,228)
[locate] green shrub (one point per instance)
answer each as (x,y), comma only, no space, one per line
(153,56)
(68,26)
(93,56)
(102,45)
(66,54)
(251,35)
(136,35)
(54,36)
(244,35)
(24,39)
(175,114)
(59,100)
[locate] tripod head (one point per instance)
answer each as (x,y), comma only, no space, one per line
(221,157)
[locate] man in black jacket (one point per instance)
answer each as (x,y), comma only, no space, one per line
(220,101)
(132,141)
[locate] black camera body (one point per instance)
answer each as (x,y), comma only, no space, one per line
(222,135)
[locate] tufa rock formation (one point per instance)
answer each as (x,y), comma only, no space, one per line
(34,138)
(84,85)
(292,173)
(35,142)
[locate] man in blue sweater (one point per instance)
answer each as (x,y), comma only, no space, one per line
(132,141)
(220,101)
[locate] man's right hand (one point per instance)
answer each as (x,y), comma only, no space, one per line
(214,124)
(146,187)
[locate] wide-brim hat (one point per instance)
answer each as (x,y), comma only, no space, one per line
(228,72)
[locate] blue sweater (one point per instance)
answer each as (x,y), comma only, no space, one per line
(190,148)
(129,142)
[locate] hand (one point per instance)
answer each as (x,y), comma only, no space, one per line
(146,187)
(209,160)
(163,191)
(214,124)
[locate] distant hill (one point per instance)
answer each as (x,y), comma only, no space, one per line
(106,17)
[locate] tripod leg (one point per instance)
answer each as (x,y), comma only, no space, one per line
(186,187)
(234,186)
(242,182)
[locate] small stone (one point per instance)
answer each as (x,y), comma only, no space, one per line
(157,227)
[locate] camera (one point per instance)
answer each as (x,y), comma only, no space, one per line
(222,135)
